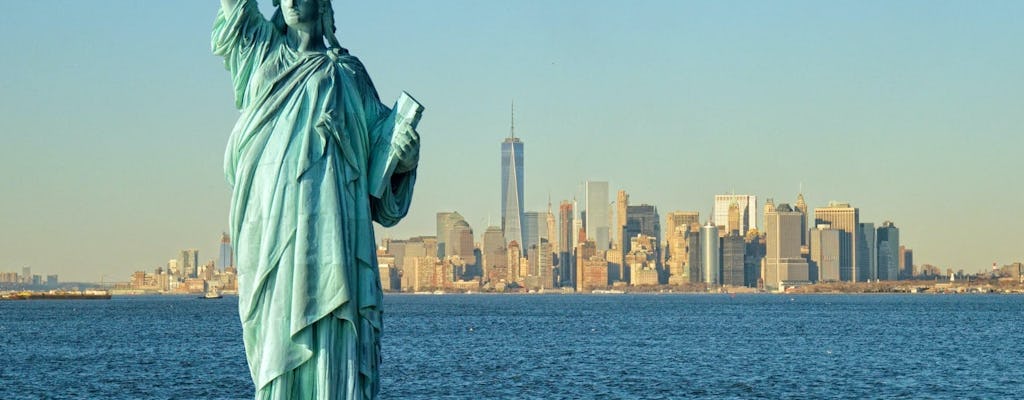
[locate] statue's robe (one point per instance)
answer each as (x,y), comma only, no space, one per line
(301,215)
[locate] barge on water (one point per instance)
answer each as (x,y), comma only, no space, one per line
(58,295)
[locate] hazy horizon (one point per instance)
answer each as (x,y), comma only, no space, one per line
(114,116)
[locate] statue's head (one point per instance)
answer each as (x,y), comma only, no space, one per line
(313,16)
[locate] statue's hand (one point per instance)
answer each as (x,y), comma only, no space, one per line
(406,145)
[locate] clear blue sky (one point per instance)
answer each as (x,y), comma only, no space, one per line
(114,115)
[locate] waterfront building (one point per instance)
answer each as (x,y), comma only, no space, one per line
(906,259)
(227,257)
(753,257)
(540,263)
(616,254)
(825,248)
(579,234)
(565,245)
(586,251)
(10,277)
(514,262)
(388,277)
(888,237)
(190,262)
(747,210)
(424,273)
(710,261)
(801,207)
(643,220)
(734,220)
(406,250)
(595,274)
(512,183)
(445,220)
(460,242)
(616,265)
(783,265)
(674,219)
(733,263)
(845,219)
(769,206)
(621,219)
(867,254)
(695,260)
(551,234)
(641,262)
(494,255)
(597,218)
(677,253)
(535,228)
(173,268)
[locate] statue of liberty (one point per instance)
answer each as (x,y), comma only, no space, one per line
(313,160)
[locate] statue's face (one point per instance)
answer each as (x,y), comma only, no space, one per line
(301,14)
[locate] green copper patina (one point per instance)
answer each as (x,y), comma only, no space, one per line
(313,160)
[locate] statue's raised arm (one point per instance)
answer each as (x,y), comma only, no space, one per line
(227,4)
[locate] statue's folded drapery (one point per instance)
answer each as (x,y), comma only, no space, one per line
(301,215)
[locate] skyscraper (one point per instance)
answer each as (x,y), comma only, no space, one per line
(643,220)
(845,219)
(460,242)
(867,253)
(824,246)
(535,227)
(597,214)
(734,220)
(677,219)
(190,262)
(747,211)
(733,249)
(565,244)
(784,267)
(888,251)
(677,254)
(906,263)
(621,215)
(512,179)
(801,207)
(445,221)
(753,257)
(494,254)
(227,258)
(710,261)
(552,234)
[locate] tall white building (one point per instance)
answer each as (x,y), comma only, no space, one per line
(748,210)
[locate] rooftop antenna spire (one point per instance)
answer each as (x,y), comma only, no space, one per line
(513,125)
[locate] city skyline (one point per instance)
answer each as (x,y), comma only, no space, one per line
(113,144)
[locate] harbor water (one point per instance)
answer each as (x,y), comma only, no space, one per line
(546,347)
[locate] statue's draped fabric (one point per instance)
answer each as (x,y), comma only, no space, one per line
(301,215)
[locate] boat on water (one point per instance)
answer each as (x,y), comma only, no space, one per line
(212,294)
(58,295)
(613,291)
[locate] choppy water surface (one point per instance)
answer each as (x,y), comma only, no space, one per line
(487,346)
